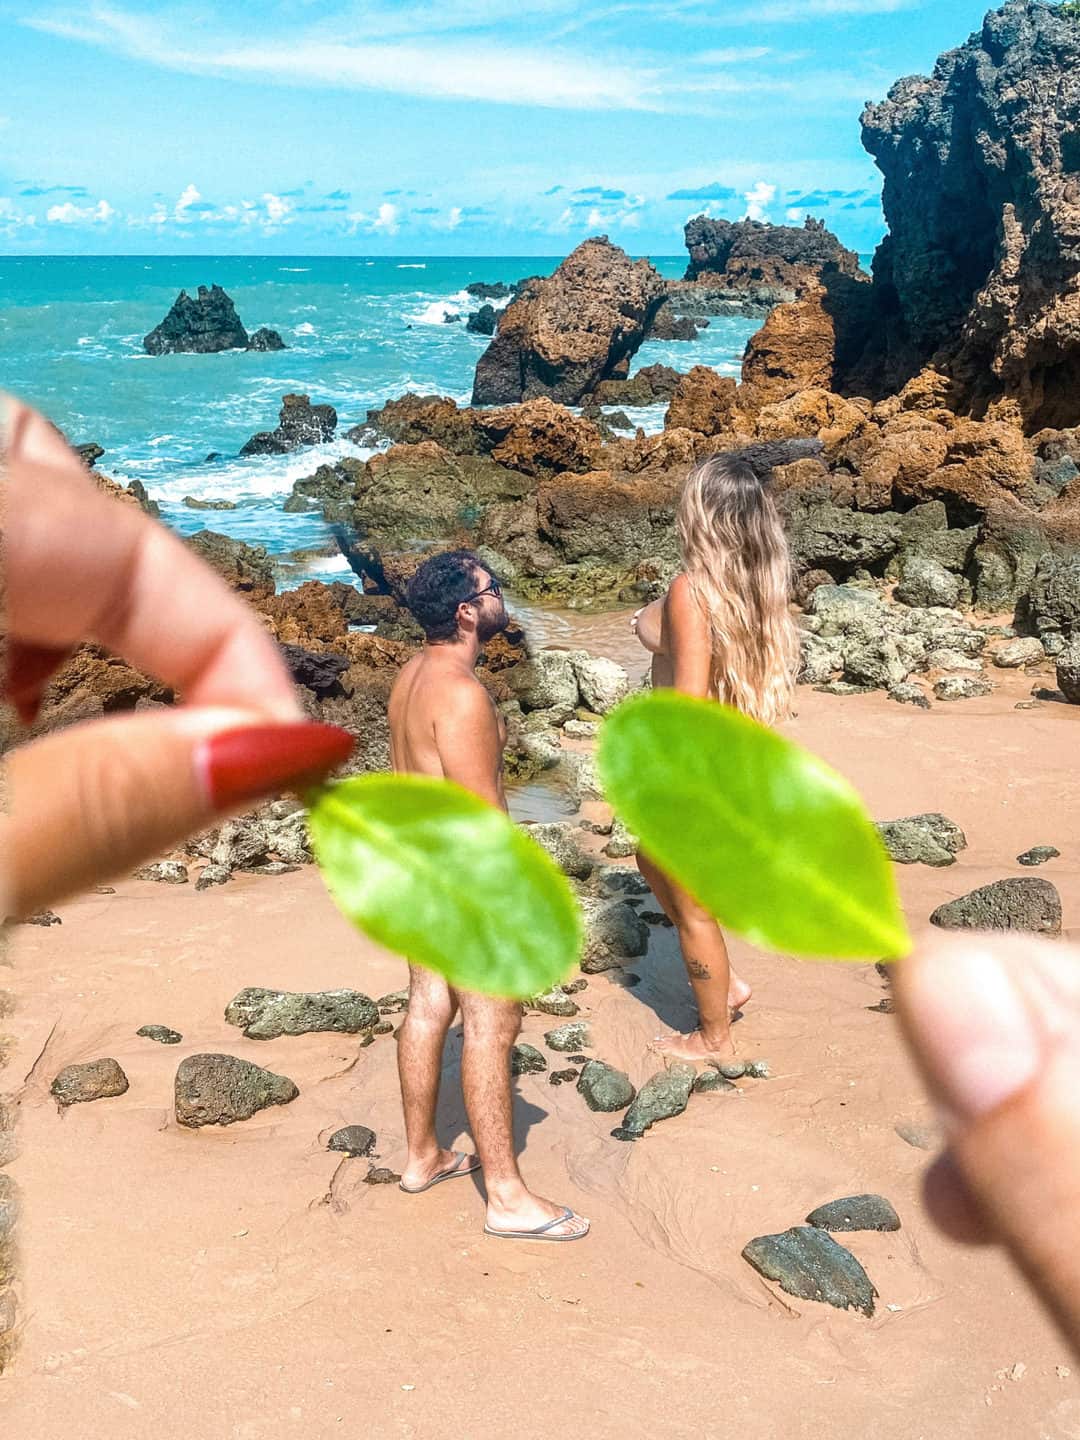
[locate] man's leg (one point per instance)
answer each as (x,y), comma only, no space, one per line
(420,1051)
(491,1026)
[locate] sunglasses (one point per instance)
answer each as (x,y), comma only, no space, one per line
(493,589)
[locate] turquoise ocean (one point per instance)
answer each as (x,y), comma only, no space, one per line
(359,331)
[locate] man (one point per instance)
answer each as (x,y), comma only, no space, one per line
(443,723)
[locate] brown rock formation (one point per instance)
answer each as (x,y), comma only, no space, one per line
(749,254)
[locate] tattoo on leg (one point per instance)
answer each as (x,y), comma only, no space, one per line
(697,971)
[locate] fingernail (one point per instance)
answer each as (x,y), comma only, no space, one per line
(29,669)
(243,764)
(973,1028)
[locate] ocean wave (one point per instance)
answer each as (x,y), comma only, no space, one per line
(161,440)
(294,269)
(409,267)
(432,314)
(304,328)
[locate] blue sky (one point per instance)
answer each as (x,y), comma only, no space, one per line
(472,127)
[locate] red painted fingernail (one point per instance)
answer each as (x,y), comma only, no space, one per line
(257,760)
(29,669)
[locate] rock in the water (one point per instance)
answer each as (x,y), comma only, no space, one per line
(604,1088)
(526,1060)
(567,1038)
(299,423)
(855,1212)
(962,687)
(199,325)
(559,840)
(161,1033)
(922,840)
(1068,670)
(1020,903)
(1038,855)
(266,339)
(221,1089)
(94,1080)
(166,872)
(810,1264)
(352,1140)
(663,1096)
(266,1014)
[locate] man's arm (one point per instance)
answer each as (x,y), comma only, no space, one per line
(468,741)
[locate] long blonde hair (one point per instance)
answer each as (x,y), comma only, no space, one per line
(736,559)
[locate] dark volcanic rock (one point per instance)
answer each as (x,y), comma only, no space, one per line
(922,840)
(568,1038)
(663,1096)
(247,568)
(266,339)
(266,1014)
(604,1088)
(199,325)
(1038,855)
(321,673)
(810,1264)
(94,1080)
(1068,671)
(981,269)
(1020,903)
(483,321)
(161,1033)
(165,872)
(352,1140)
(220,1089)
(855,1212)
(527,1060)
(750,253)
(299,423)
(563,335)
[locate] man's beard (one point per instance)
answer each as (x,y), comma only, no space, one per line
(490,626)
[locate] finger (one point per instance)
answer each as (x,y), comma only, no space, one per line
(994,1022)
(97,799)
(80,565)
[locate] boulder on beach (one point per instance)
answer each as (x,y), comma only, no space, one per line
(810,1264)
(204,324)
(930,839)
(603,1088)
(92,1080)
(855,1212)
(663,1096)
(221,1089)
(565,334)
(1020,903)
(266,1014)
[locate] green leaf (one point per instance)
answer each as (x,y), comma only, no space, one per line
(763,834)
(436,874)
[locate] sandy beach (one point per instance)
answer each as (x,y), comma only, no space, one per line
(247,1283)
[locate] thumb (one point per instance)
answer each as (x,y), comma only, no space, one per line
(994,1022)
(95,800)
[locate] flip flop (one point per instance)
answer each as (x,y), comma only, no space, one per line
(458,1168)
(542,1232)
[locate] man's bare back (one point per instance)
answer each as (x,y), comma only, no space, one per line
(442,721)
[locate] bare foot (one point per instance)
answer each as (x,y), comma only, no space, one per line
(422,1172)
(739,992)
(693,1047)
(532,1212)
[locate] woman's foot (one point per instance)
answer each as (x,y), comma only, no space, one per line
(693,1047)
(739,992)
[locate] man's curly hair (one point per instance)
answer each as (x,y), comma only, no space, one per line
(438,588)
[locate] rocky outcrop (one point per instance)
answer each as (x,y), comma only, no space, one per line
(247,568)
(748,254)
(812,342)
(205,324)
(980,271)
(299,423)
(565,334)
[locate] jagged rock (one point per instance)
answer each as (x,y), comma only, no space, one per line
(1055,595)
(166,872)
(527,1060)
(747,254)
(604,1088)
(44,918)
(622,844)
(909,694)
(1020,903)
(247,568)
(961,687)
(558,839)
(266,1014)
(1068,670)
(199,325)
(299,423)
(614,932)
(667,325)
(320,671)
(266,339)
(930,839)
(602,683)
(220,1089)
(554,1002)
(482,321)
(925,582)
(563,335)
(1038,855)
(614,882)
(855,1212)
(547,680)
(651,385)
(810,1264)
(161,1033)
(568,1038)
(703,401)
(352,1140)
(980,268)
(194,503)
(808,344)
(827,537)
(1012,656)
(663,1096)
(94,1080)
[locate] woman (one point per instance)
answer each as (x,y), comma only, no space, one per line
(723,631)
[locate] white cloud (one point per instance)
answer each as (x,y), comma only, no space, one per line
(387,219)
(189,197)
(594,218)
(277,208)
(758,199)
(453,220)
(72,214)
(795,216)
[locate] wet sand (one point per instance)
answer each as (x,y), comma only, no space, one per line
(245,1283)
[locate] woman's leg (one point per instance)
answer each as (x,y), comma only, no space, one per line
(707,966)
(669,896)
